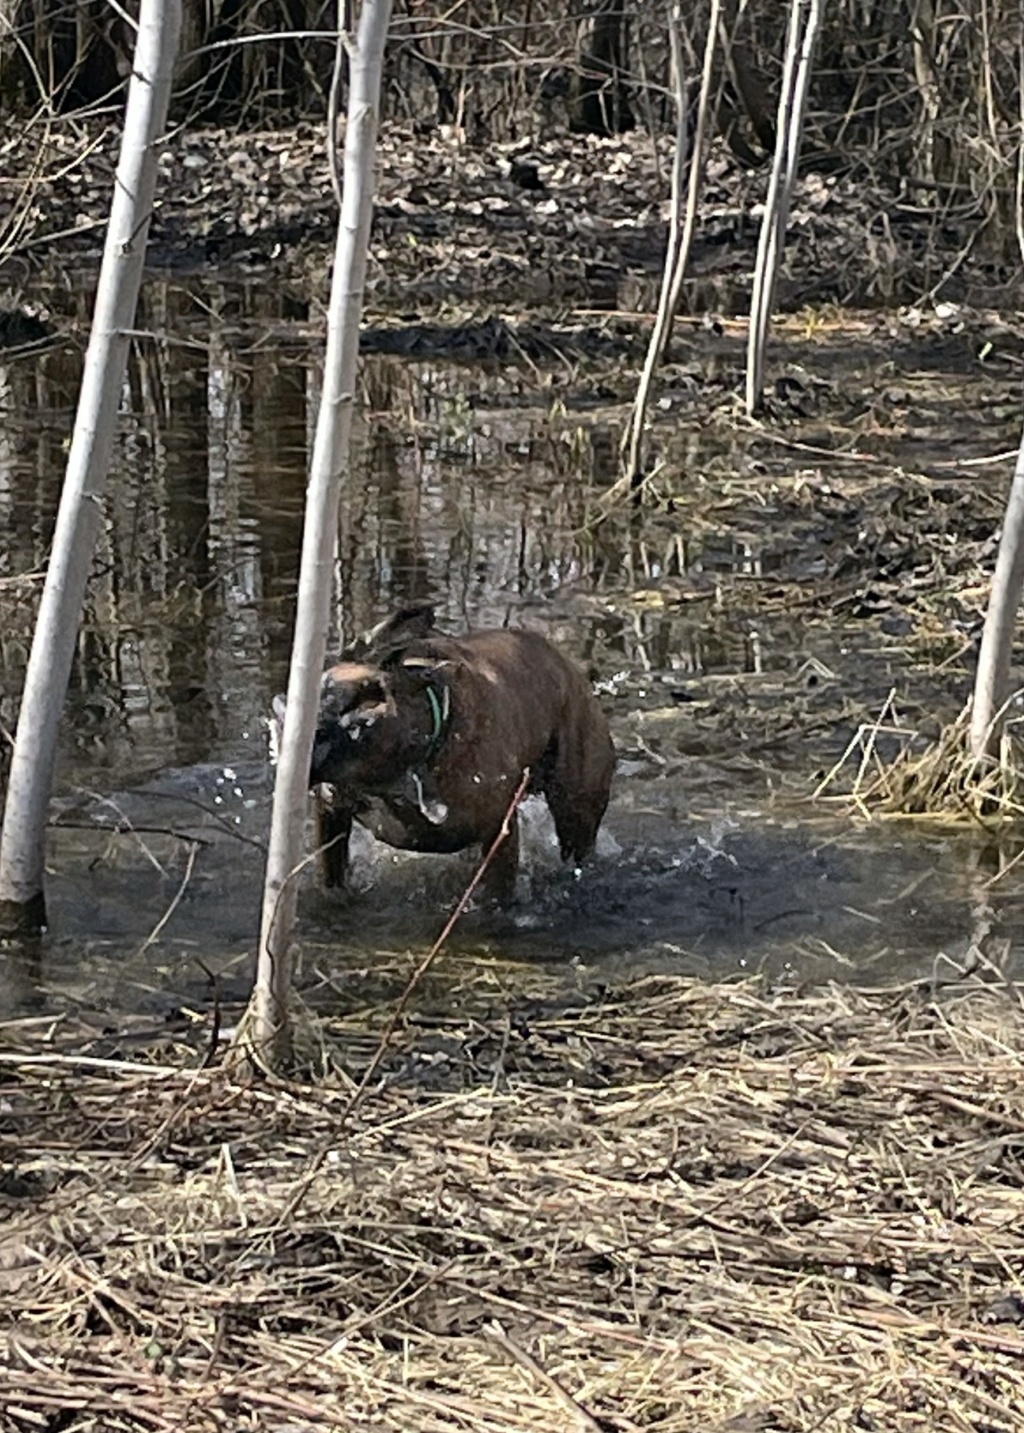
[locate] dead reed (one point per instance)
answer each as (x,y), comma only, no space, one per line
(667,1205)
(942,781)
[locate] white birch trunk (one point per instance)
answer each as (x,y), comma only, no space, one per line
(796,81)
(23,845)
(662,322)
(992,679)
(696,183)
(269,1028)
(681,231)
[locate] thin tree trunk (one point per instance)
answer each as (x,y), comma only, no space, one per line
(635,433)
(266,1037)
(696,182)
(922,33)
(680,234)
(796,81)
(22,849)
(1018,194)
(992,679)
(765,264)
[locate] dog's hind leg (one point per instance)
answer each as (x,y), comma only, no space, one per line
(333,829)
(577,781)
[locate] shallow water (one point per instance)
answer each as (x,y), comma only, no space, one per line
(476,487)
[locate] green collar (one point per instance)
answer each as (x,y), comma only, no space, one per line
(440,710)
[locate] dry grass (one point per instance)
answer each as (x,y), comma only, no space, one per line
(666,1206)
(943,781)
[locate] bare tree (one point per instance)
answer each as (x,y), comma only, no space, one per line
(634,435)
(804,16)
(22,849)
(992,679)
(680,234)
(266,1034)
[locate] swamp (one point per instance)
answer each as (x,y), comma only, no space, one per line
(721,1130)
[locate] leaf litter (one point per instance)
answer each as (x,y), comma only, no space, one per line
(664,1204)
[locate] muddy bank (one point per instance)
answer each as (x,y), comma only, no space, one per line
(564,219)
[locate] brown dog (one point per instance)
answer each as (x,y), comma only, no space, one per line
(424,738)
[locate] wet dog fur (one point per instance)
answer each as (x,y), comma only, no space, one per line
(423,739)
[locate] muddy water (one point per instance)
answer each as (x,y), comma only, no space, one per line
(478,487)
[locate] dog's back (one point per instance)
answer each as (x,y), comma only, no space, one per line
(517,702)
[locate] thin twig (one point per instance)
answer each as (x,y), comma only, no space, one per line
(358,1094)
(496,1334)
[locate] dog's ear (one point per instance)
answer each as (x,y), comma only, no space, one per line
(385,643)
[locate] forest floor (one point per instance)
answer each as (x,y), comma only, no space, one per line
(659,1205)
(566,220)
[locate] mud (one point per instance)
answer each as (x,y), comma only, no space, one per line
(454,222)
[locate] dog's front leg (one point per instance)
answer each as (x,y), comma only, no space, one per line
(334,828)
(499,880)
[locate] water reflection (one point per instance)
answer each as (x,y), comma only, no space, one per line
(469,486)
(461,490)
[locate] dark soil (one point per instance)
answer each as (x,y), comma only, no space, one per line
(569,220)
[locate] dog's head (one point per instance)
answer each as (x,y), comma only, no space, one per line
(359,729)
(383,707)
(375,722)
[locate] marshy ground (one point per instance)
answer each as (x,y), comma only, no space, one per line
(726,1132)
